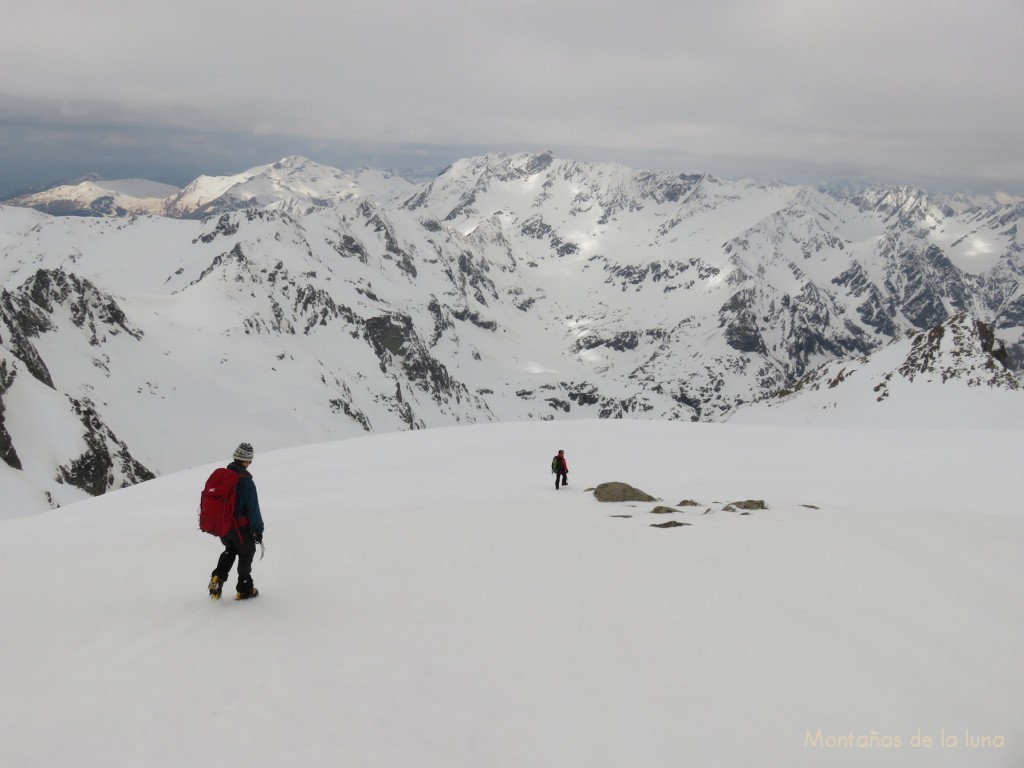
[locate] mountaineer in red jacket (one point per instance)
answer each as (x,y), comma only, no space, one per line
(560,469)
(242,540)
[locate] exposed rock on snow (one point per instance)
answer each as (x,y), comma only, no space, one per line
(747,504)
(616,491)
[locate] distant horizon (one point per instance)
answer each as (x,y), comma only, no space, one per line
(918,93)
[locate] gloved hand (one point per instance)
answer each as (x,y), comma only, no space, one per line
(257,537)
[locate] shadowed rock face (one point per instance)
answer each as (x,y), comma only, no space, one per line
(7,451)
(94,470)
(620,492)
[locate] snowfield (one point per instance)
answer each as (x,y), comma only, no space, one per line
(428,599)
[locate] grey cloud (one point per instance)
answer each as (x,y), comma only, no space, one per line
(919,88)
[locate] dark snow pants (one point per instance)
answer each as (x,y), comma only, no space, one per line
(563,476)
(243,546)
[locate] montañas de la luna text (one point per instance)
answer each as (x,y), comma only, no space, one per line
(966,739)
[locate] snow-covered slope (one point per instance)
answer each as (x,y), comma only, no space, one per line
(428,599)
(952,376)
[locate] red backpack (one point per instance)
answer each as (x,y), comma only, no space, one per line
(217,504)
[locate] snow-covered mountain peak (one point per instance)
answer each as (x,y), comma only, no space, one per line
(909,205)
(100,197)
(293,184)
(1004,198)
(294,162)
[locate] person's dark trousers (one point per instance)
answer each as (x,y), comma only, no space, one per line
(563,476)
(242,546)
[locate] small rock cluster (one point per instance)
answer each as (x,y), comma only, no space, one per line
(619,492)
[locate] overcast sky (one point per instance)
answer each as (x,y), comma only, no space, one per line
(926,92)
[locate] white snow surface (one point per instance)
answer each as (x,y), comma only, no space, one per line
(428,599)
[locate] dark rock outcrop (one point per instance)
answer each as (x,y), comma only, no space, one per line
(616,491)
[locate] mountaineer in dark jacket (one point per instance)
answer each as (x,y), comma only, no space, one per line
(240,542)
(560,468)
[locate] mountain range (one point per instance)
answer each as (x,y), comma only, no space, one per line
(142,326)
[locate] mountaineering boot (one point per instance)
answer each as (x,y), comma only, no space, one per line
(247,595)
(216,585)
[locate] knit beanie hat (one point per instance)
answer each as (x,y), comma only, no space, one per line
(243,452)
